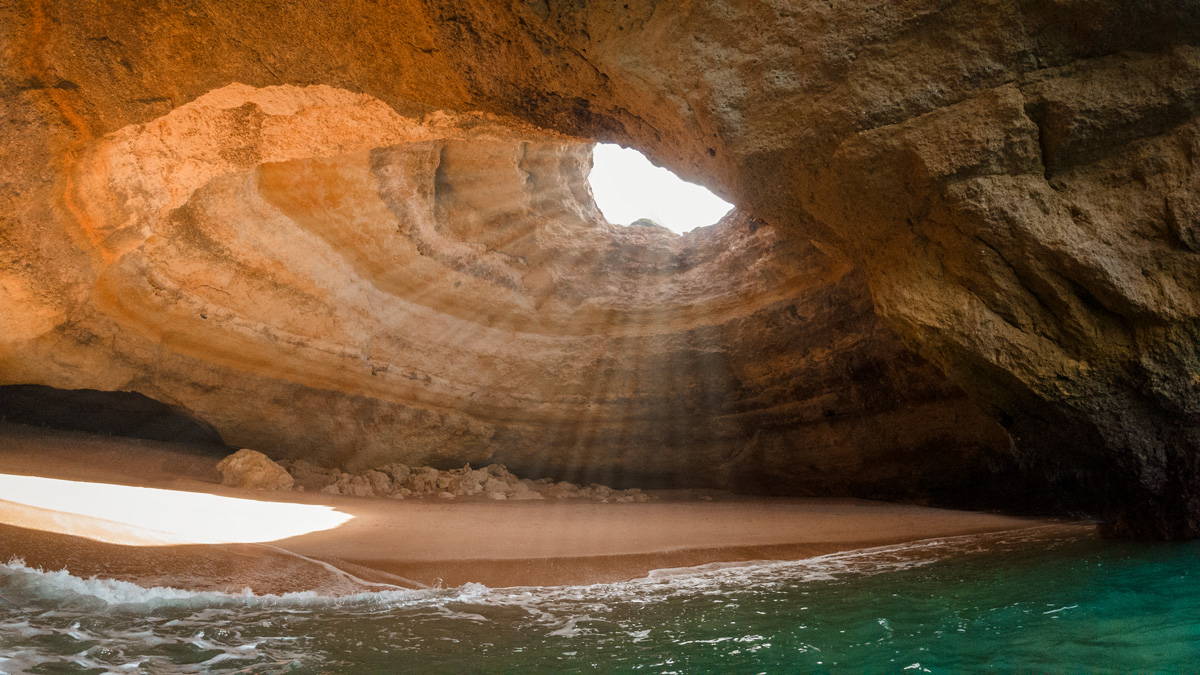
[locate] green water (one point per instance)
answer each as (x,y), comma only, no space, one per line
(1040,601)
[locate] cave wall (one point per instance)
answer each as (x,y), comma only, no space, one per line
(1015,182)
(318,276)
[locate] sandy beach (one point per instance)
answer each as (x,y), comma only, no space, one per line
(399,542)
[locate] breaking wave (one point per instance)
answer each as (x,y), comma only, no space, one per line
(100,625)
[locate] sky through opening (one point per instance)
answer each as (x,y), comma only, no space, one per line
(628,187)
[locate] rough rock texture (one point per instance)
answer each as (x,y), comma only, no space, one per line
(253,470)
(496,482)
(1015,183)
(358,287)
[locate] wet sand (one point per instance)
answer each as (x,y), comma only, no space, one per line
(420,542)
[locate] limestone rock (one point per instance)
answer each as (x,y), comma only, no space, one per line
(422,480)
(625,291)
(381,483)
(497,486)
(254,471)
(398,472)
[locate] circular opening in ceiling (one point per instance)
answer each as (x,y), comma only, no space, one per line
(628,188)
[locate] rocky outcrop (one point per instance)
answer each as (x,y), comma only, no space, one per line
(1012,185)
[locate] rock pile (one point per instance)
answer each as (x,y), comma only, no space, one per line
(399,481)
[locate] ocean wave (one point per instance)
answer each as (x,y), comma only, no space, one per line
(20,581)
(112,625)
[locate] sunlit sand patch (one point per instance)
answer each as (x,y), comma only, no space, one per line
(138,516)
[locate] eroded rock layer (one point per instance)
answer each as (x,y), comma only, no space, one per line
(319,277)
(1015,184)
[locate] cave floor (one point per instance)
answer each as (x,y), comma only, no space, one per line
(402,542)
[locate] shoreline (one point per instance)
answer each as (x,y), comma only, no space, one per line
(426,542)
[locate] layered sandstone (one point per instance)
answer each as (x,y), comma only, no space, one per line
(320,277)
(1012,184)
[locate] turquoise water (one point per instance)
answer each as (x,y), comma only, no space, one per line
(1048,600)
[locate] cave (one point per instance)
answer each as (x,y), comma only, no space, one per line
(112,413)
(975,271)
(390,289)
(356,247)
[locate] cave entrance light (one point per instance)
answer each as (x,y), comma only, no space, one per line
(627,188)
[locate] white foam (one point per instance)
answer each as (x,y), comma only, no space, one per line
(61,585)
(145,617)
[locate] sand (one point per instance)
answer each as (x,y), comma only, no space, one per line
(409,542)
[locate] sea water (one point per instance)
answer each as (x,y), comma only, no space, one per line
(1042,600)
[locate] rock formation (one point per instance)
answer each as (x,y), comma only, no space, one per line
(360,287)
(361,234)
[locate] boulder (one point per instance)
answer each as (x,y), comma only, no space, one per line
(399,472)
(360,486)
(421,480)
(496,486)
(253,470)
(380,482)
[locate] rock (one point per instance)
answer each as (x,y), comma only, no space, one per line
(354,485)
(600,491)
(421,480)
(472,485)
(253,470)
(464,485)
(445,495)
(498,471)
(498,496)
(301,469)
(380,482)
(398,472)
(560,490)
(497,486)
(339,486)
(309,476)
